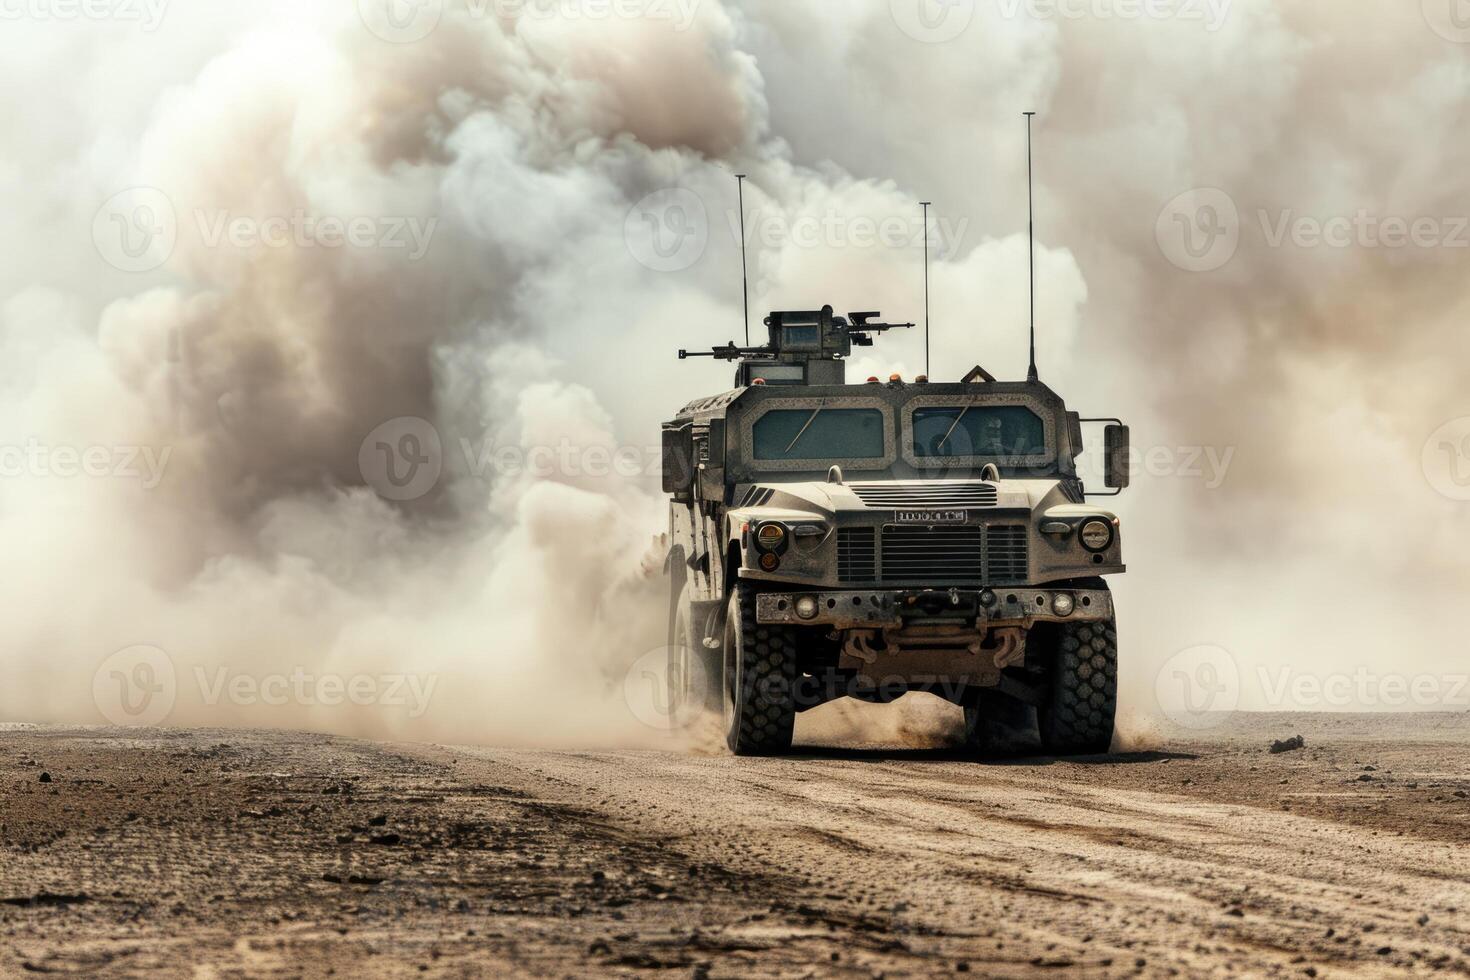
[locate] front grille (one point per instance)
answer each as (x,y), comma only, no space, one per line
(935,494)
(951,553)
(856,559)
(1005,554)
(943,554)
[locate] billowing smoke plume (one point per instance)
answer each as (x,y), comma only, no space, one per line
(333,343)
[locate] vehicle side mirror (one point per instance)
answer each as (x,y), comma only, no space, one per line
(678,460)
(1117,472)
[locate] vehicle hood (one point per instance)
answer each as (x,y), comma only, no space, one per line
(822,498)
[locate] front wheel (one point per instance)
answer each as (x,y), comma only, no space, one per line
(1077,714)
(759,680)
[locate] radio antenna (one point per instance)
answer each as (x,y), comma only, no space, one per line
(926,205)
(1031,256)
(744,275)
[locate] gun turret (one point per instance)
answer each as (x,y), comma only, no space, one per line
(861,330)
(805,348)
(727,353)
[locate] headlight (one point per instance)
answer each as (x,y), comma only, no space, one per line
(770,536)
(1062,604)
(806,607)
(1096,536)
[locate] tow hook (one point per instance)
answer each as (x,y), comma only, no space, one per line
(859,645)
(1010,646)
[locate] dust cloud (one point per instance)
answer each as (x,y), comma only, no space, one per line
(239,536)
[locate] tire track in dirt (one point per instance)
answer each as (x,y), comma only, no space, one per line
(1087,872)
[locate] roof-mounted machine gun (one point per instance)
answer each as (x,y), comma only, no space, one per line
(805,348)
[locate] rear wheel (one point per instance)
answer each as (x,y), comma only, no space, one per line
(759,680)
(693,670)
(1077,714)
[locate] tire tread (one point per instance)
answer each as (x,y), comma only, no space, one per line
(765,705)
(1083,701)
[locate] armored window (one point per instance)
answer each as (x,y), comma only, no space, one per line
(819,433)
(776,374)
(978,430)
(802,338)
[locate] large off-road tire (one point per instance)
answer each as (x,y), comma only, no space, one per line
(759,680)
(1077,714)
(694,671)
(998,726)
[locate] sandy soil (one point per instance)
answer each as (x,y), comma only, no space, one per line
(221,854)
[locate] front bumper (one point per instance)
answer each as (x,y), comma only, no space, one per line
(896,608)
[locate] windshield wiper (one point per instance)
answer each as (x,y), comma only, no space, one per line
(954,425)
(792,445)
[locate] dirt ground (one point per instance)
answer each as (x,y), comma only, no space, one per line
(223,854)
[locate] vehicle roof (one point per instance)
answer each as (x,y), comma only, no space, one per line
(896,393)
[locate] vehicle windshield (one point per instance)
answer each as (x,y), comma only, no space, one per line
(978,430)
(819,433)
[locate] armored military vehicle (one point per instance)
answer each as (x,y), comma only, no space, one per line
(832,540)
